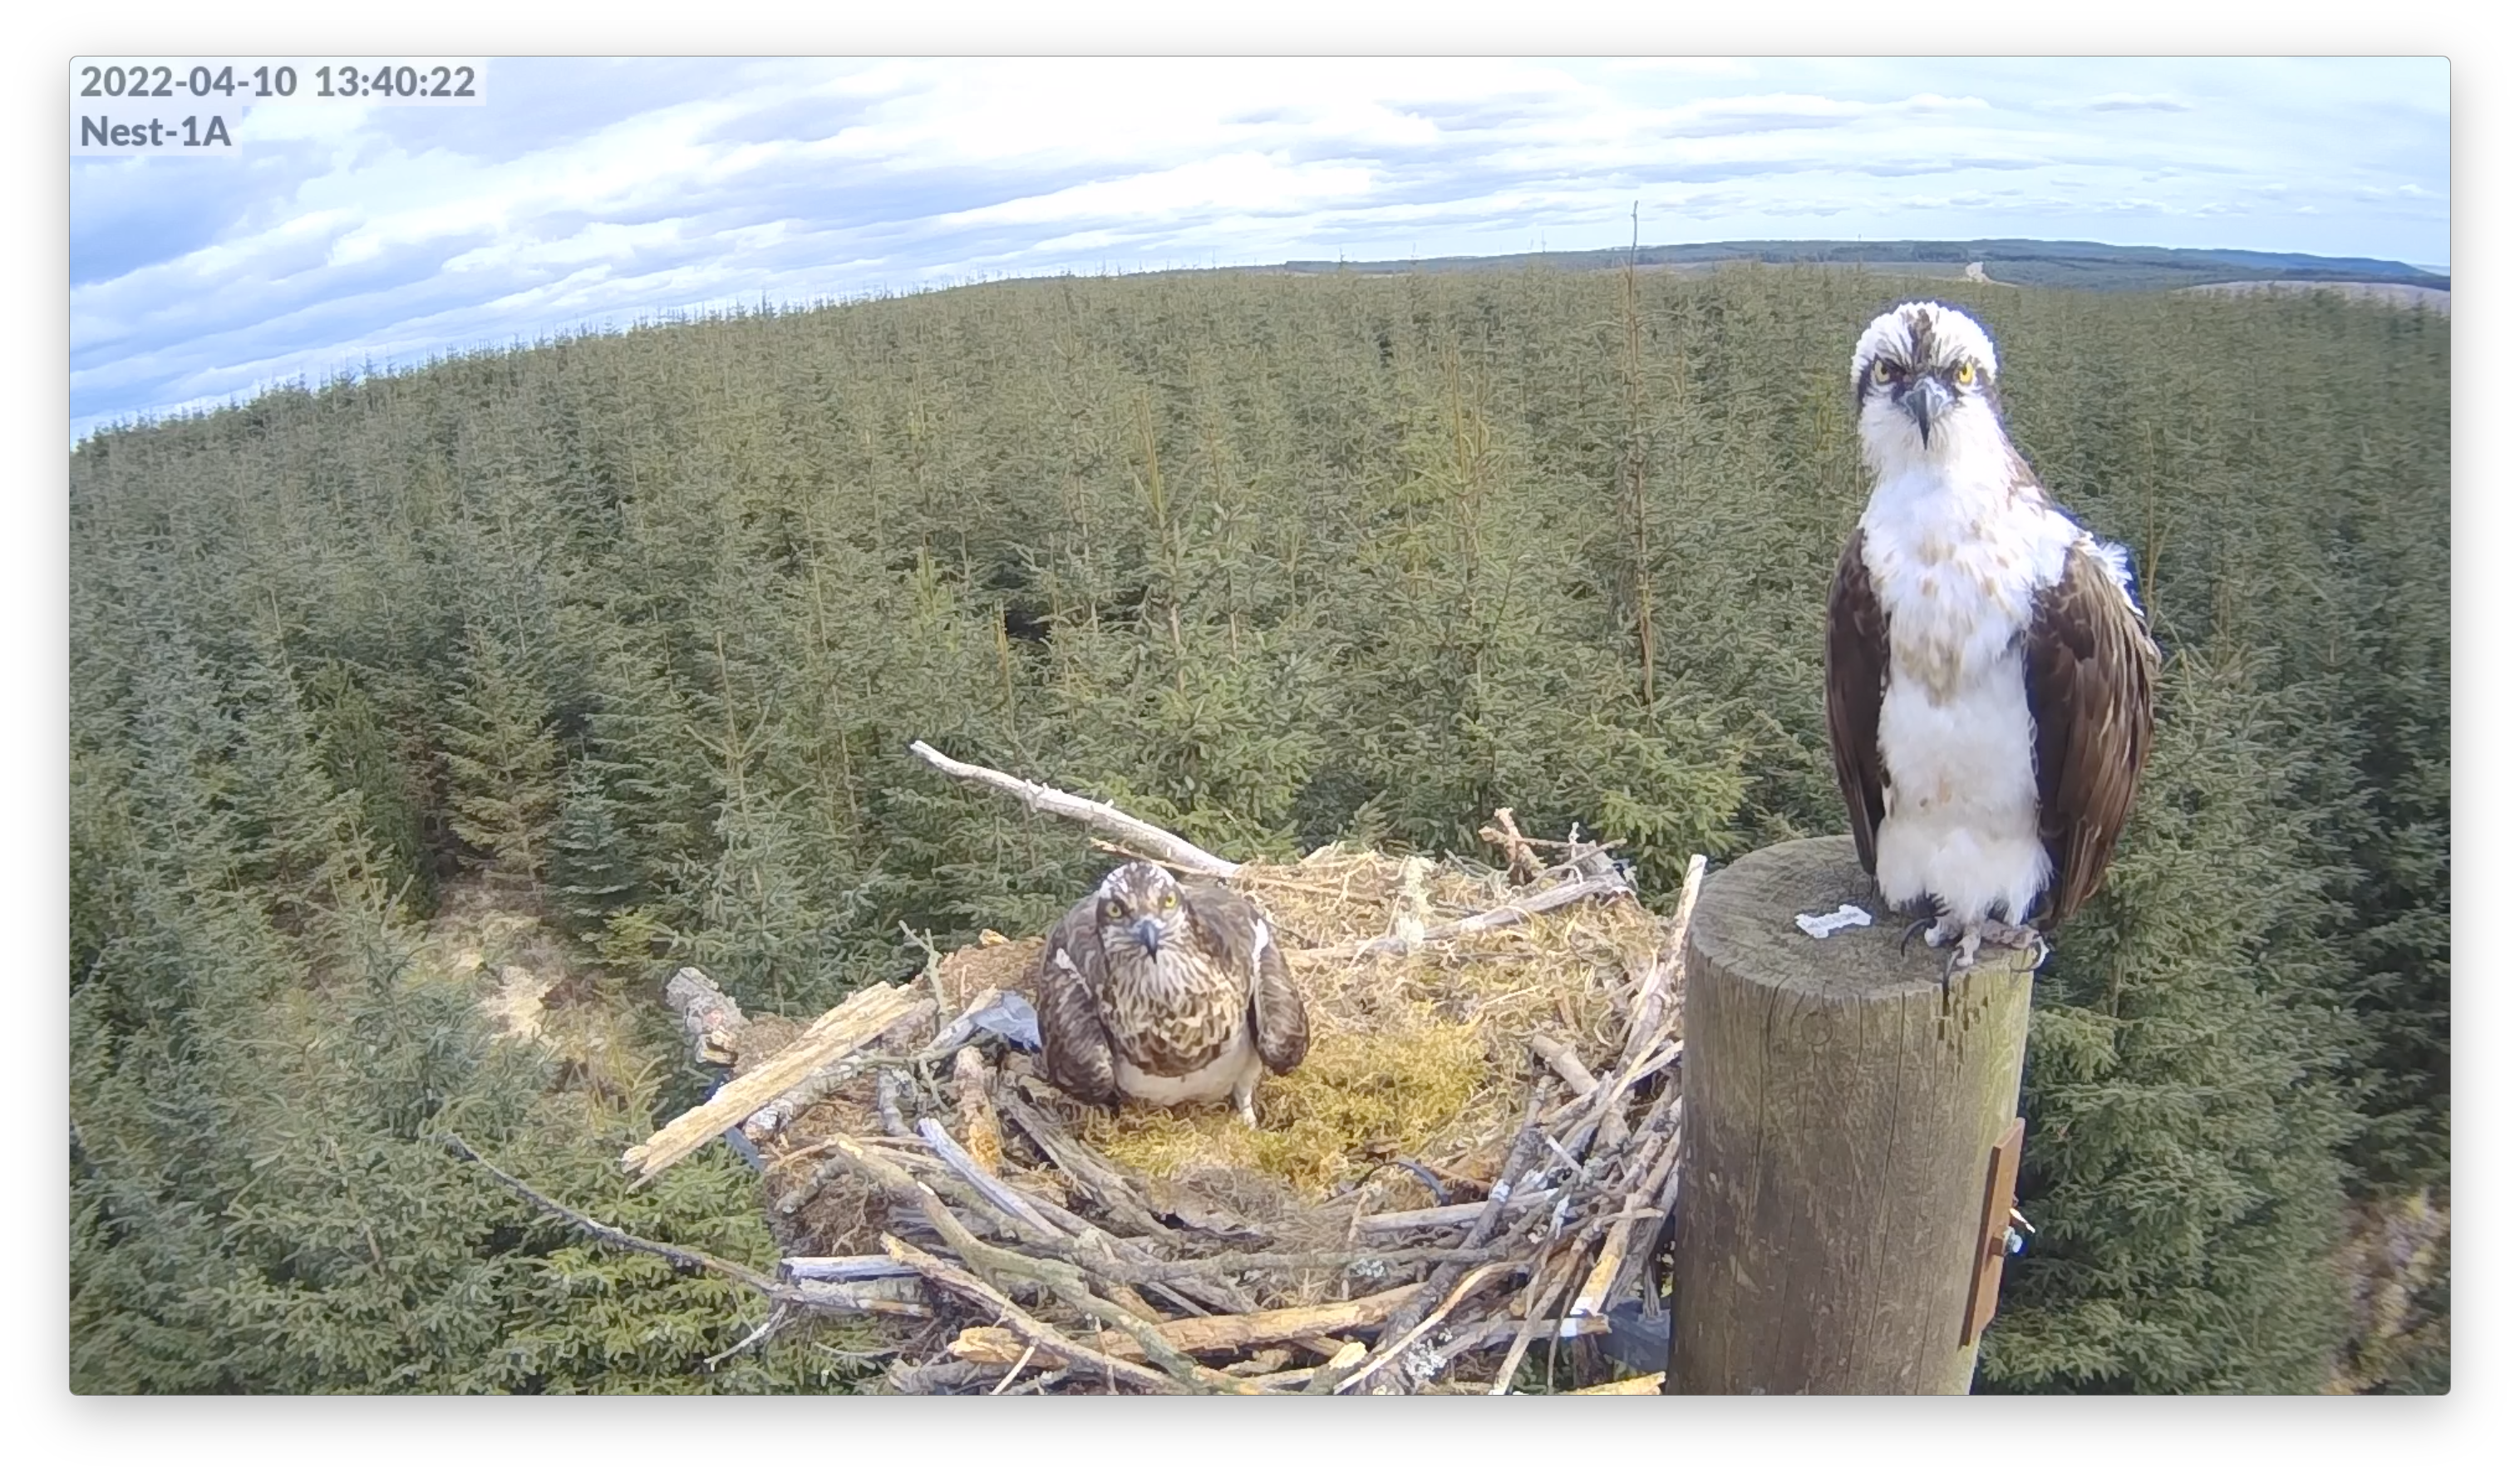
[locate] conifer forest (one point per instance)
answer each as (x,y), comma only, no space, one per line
(616,644)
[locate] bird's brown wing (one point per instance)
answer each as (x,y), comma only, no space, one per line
(1075,1047)
(1857,663)
(1277,1023)
(1236,934)
(2091,665)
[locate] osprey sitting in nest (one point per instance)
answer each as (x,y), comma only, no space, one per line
(1168,992)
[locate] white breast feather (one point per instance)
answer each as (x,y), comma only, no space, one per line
(1238,1065)
(1956,562)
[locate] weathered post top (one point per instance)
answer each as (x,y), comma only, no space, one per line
(1843,1112)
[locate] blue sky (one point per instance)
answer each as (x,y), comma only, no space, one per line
(588,193)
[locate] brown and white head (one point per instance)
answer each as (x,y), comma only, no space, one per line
(1137,912)
(1924,388)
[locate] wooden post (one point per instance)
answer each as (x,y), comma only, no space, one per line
(1843,1113)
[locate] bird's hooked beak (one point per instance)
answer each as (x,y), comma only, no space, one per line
(1926,401)
(1147,935)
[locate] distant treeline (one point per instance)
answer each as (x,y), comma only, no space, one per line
(636,627)
(2095,266)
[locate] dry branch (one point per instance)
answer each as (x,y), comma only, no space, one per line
(1562,1060)
(896,1296)
(1522,865)
(1089,1172)
(946,1275)
(888,1084)
(1350,1356)
(999,1193)
(1216,1333)
(1525,1146)
(1392,1348)
(782,1111)
(1651,1010)
(845,1027)
(710,1017)
(682,1257)
(839,1270)
(1521,911)
(1146,837)
(1430,1218)
(1541,1295)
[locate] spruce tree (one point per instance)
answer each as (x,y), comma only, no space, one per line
(2181,1166)
(502,763)
(592,871)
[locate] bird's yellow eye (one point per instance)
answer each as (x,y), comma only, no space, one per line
(1880,371)
(1967,373)
(1169,901)
(1111,907)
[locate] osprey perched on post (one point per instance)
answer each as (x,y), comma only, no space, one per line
(1168,992)
(1990,676)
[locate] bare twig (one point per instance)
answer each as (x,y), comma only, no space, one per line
(1016,1369)
(1216,1334)
(1561,1057)
(1526,1144)
(851,1024)
(1521,911)
(1392,1347)
(1428,1218)
(1147,837)
(1069,1284)
(946,1275)
(710,1017)
(942,1376)
(1634,1385)
(1593,1295)
(1521,864)
(1063,1278)
(1536,1320)
(681,1257)
(838,1269)
(902,1296)
(761,1333)
(1085,1169)
(1350,1356)
(780,1112)
(934,977)
(1645,1016)
(999,1194)
(888,1084)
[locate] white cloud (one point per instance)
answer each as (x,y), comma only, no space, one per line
(594,191)
(2138,101)
(1250,182)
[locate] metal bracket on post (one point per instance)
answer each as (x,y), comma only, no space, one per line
(1995,1219)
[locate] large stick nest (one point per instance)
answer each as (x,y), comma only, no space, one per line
(1477,1153)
